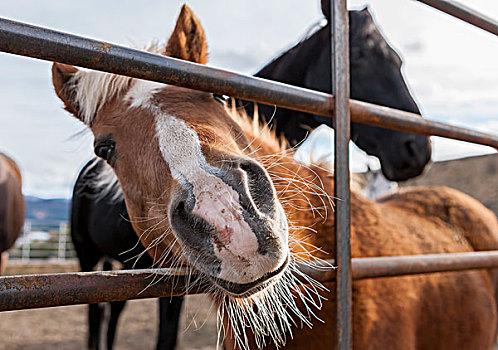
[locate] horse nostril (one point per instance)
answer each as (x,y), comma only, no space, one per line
(258,185)
(411,149)
(181,210)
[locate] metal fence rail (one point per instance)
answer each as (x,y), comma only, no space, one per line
(465,14)
(36,291)
(65,289)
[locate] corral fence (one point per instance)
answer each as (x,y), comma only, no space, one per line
(43,239)
(74,288)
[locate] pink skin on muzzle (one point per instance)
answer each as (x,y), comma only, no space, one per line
(218,204)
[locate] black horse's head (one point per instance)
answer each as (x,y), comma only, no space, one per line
(376,77)
(402,155)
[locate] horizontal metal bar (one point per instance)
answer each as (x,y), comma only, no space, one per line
(390,118)
(37,42)
(464,13)
(417,264)
(391,266)
(36,291)
(47,290)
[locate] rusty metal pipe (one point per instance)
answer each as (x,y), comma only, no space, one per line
(339,57)
(36,291)
(390,118)
(391,266)
(37,42)
(464,13)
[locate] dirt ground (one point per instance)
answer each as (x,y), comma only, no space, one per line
(64,328)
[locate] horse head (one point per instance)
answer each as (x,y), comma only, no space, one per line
(182,162)
(376,77)
(197,188)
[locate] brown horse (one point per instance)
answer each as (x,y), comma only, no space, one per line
(208,188)
(11,206)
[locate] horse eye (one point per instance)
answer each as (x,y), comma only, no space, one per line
(105,150)
(220,98)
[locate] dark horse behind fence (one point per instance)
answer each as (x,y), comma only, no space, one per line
(100,228)
(99,224)
(11,206)
(376,77)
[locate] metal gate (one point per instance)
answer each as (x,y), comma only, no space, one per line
(22,292)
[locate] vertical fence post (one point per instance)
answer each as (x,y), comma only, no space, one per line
(25,249)
(339,28)
(61,254)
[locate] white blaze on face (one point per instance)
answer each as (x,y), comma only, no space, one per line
(141,92)
(215,201)
(235,244)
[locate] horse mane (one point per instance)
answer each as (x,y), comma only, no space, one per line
(264,137)
(363,33)
(92,89)
(256,131)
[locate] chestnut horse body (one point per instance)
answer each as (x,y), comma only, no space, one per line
(209,189)
(11,206)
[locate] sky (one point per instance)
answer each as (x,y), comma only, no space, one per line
(449,66)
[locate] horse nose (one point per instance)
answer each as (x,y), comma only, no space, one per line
(418,150)
(416,153)
(411,149)
(257,185)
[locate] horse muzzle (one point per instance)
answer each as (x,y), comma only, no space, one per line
(232,227)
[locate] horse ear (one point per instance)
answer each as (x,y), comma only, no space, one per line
(325,4)
(188,41)
(61,77)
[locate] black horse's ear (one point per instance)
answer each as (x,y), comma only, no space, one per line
(366,15)
(62,75)
(326,8)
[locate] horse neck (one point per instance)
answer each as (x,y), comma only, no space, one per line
(306,194)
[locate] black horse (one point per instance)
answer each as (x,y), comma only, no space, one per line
(99,222)
(376,77)
(100,228)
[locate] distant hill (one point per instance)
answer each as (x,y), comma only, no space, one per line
(476,176)
(47,210)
